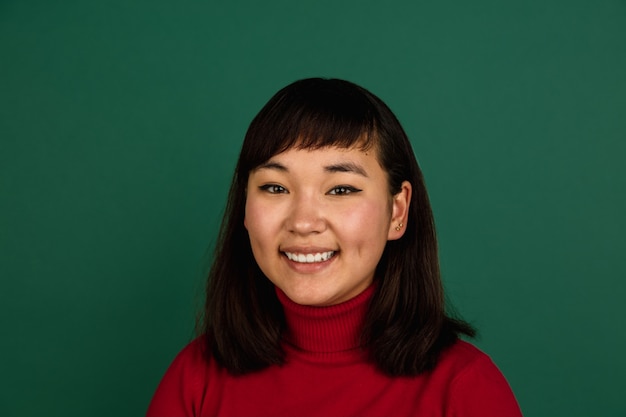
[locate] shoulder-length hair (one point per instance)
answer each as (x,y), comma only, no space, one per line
(406,327)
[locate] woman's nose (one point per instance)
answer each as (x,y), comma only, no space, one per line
(306,216)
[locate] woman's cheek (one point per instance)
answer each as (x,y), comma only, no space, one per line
(366,219)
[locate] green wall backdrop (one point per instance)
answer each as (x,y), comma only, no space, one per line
(120,123)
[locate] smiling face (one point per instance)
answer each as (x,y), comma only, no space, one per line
(318,221)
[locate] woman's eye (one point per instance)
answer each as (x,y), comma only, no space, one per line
(273,188)
(343,190)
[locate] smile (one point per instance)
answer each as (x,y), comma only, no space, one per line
(310,258)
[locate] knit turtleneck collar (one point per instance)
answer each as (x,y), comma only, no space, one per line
(325,331)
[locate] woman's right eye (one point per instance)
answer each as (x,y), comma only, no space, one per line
(273,188)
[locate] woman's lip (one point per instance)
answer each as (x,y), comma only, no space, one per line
(306,249)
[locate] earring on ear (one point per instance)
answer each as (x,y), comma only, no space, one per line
(399,227)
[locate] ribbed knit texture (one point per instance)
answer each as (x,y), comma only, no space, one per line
(326,333)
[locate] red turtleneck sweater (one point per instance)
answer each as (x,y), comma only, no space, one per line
(327,374)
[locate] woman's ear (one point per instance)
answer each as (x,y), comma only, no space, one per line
(400,211)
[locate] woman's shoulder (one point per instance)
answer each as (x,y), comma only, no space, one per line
(181,389)
(195,359)
(194,351)
(464,358)
(460,356)
(462,351)
(191,357)
(476,383)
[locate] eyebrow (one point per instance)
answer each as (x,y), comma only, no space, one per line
(346,167)
(273,165)
(333,168)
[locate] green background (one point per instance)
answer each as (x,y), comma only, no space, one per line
(121,121)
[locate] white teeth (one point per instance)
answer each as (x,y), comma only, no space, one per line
(310,257)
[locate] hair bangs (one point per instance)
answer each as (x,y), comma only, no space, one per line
(310,115)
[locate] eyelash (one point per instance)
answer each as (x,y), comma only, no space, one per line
(343,190)
(338,190)
(273,188)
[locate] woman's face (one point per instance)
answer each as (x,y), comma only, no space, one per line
(318,221)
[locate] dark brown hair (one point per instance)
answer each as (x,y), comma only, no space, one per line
(407,326)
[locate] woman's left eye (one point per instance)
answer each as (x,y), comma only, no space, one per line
(343,190)
(273,188)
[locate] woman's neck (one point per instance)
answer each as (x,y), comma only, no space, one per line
(325,331)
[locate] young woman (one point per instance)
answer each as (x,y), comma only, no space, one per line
(324,298)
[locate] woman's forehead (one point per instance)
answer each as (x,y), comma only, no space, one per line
(332,159)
